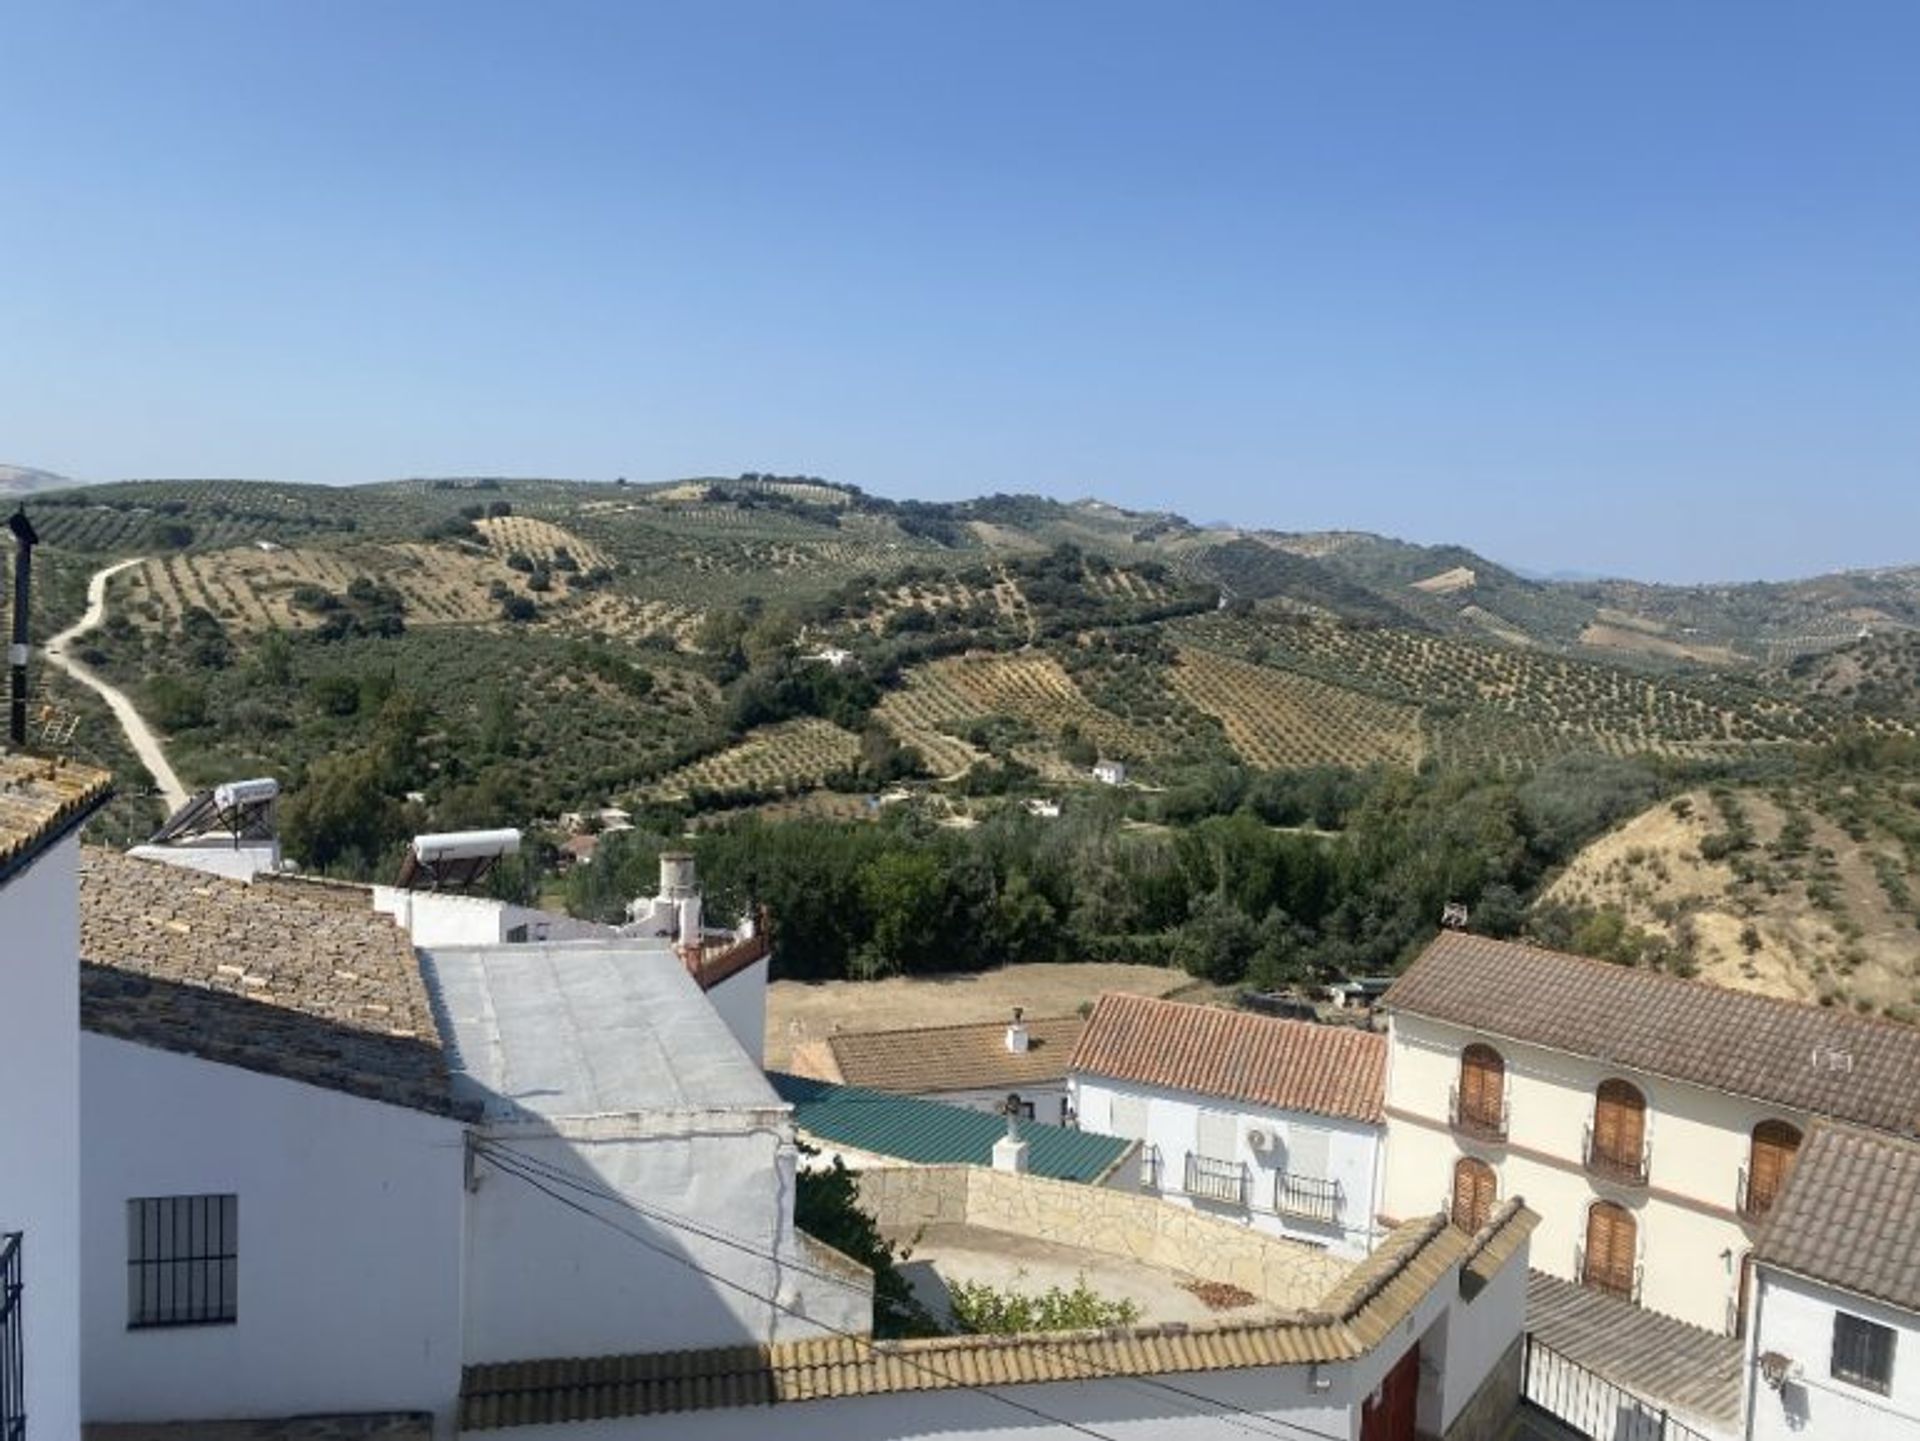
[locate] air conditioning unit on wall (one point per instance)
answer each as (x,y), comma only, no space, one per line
(1263,1142)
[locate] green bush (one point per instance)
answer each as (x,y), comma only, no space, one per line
(981,1310)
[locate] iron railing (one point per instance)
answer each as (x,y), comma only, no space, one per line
(1627,1170)
(1213,1180)
(1474,1121)
(1150,1168)
(1750,1206)
(1308,1197)
(1591,1404)
(13,1402)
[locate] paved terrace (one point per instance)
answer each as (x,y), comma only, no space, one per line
(1682,1368)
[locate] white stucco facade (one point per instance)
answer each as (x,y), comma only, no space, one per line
(1048,1099)
(40,1127)
(1268,1143)
(1794,1318)
(349,1249)
(1691,1238)
(741,1002)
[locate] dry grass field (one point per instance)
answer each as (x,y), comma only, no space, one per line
(1278,718)
(801,1011)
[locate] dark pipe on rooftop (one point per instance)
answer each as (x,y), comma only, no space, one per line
(26,538)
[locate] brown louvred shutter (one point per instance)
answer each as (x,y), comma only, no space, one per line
(1610,1249)
(1619,1125)
(1482,1085)
(1775,1143)
(1474,1185)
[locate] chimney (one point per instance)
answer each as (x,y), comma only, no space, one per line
(26,538)
(1010,1152)
(678,877)
(1017,1039)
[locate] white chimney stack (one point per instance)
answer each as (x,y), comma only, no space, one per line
(678,877)
(1017,1038)
(1010,1151)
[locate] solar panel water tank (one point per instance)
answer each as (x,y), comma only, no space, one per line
(455,858)
(234,795)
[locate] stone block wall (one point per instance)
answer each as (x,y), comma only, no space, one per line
(1142,1228)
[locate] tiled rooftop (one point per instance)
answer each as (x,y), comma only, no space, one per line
(39,800)
(1288,1065)
(933,1133)
(1811,1058)
(1358,1314)
(944,1058)
(1848,1215)
(262,977)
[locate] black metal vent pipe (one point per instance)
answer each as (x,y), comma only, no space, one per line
(26,538)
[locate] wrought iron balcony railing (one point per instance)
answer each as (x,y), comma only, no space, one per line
(1488,1123)
(1308,1197)
(13,1403)
(1627,1169)
(1215,1180)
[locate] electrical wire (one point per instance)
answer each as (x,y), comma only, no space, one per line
(511,1159)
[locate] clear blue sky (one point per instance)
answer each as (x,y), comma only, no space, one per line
(1619,286)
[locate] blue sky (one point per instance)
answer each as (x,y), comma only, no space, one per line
(1629,287)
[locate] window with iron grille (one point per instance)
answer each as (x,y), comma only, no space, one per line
(1863,1352)
(183,1260)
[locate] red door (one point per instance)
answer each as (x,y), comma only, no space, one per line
(1388,1414)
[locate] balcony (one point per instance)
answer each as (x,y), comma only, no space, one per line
(1481,1122)
(1211,1180)
(1751,1204)
(1152,1169)
(1307,1197)
(1610,1165)
(13,1415)
(1625,1286)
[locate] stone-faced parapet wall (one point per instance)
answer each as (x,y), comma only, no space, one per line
(1141,1228)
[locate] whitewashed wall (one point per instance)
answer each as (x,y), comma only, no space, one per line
(349,1250)
(1690,1236)
(237,863)
(40,1126)
(442,919)
(1794,1317)
(741,1001)
(1350,1152)
(543,1279)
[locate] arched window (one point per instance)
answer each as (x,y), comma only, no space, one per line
(1480,1102)
(1475,1189)
(1769,1161)
(1607,1263)
(1616,1146)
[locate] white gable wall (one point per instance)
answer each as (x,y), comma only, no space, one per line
(349,1244)
(741,1001)
(1174,1122)
(1794,1318)
(40,1126)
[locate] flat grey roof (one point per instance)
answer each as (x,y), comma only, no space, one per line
(585,1028)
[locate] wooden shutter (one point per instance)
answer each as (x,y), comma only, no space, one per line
(1474,1185)
(1775,1144)
(1619,1125)
(1483,1076)
(1610,1249)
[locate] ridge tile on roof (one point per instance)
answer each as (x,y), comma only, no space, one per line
(40,799)
(1817,1059)
(1337,1071)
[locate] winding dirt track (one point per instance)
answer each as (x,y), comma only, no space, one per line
(140,735)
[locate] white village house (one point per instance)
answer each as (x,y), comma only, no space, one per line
(1272,1122)
(977,1065)
(42,805)
(1834,1348)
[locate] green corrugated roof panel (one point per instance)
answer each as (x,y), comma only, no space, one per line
(934,1134)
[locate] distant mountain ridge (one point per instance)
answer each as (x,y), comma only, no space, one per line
(24,480)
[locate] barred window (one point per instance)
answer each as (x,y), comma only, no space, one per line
(183,1260)
(1862,1352)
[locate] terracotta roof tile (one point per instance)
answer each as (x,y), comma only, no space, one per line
(1371,1303)
(1847,1215)
(1288,1065)
(1810,1058)
(40,800)
(931,1059)
(263,977)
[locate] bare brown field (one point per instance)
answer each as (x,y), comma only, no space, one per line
(802,1011)
(1638,640)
